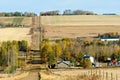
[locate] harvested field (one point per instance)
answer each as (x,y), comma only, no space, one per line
(15,34)
(57,32)
(81,20)
(57,27)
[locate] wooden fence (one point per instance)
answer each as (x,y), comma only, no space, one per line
(104,75)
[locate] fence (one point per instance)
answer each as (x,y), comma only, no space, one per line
(103,74)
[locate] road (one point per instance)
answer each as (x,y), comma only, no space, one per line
(33,75)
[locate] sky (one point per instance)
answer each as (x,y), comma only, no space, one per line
(37,6)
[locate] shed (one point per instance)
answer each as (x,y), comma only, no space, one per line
(63,64)
(1,25)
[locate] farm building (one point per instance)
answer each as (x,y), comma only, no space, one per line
(1,25)
(63,64)
(112,36)
(109,39)
(90,57)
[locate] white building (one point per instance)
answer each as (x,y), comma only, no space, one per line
(109,39)
(90,57)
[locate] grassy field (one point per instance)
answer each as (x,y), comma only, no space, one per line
(79,26)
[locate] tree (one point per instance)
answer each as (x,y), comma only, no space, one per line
(68,12)
(23,45)
(17,13)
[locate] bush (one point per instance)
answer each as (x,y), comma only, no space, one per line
(86,63)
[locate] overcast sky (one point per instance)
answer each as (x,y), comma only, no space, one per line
(97,6)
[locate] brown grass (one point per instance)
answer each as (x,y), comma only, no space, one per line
(81,74)
(15,34)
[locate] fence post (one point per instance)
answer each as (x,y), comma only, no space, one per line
(116,77)
(91,72)
(103,74)
(106,75)
(96,71)
(111,76)
(99,72)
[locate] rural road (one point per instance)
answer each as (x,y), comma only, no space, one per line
(32,76)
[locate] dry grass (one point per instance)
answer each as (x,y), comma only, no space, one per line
(15,34)
(46,75)
(80,74)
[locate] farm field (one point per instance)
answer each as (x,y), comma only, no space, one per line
(15,34)
(16,20)
(57,27)
(71,74)
(81,20)
(58,32)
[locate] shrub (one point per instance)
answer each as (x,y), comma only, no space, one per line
(86,63)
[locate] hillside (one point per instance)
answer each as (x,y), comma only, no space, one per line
(79,26)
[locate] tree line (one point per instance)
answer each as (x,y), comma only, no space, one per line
(9,54)
(67,12)
(73,50)
(10,14)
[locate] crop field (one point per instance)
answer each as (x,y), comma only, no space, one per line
(16,20)
(57,27)
(15,34)
(82,20)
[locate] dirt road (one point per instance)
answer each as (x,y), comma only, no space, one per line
(31,76)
